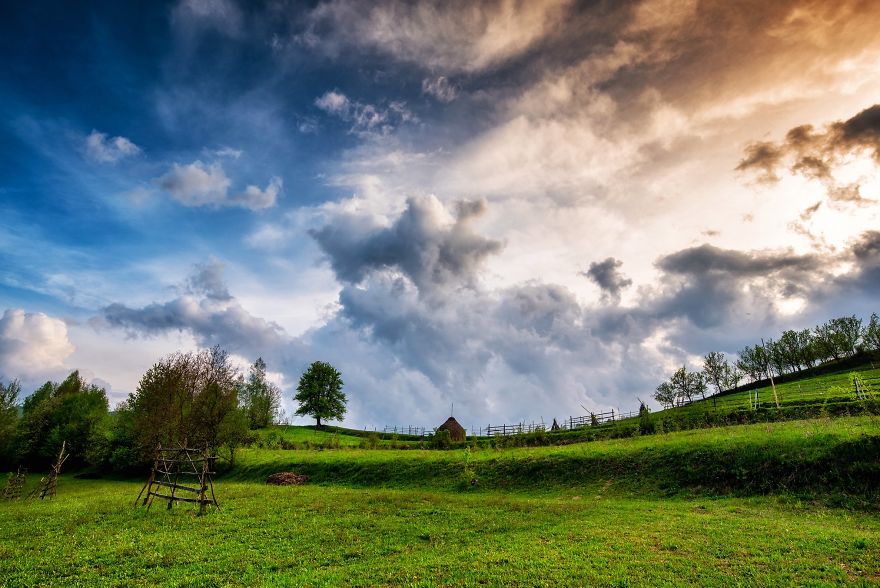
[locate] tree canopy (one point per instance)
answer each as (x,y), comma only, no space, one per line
(185,397)
(259,398)
(319,393)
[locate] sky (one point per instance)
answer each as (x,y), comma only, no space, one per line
(525,209)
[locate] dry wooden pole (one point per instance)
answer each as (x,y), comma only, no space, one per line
(770,373)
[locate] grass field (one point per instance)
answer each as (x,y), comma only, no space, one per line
(776,504)
(835,387)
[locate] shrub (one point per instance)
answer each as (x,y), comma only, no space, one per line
(441,439)
(371,441)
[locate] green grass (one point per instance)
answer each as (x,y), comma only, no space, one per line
(776,504)
(278,436)
(90,535)
(833,458)
(836,387)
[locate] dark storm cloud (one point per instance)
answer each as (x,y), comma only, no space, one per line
(707,259)
(422,244)
(861,131)
(815,154)
(710,286)
(606,274)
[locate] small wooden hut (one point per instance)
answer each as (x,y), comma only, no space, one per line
(456,431)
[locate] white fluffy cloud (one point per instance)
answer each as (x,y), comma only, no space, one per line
(201,184)
(32,344)
(103,149)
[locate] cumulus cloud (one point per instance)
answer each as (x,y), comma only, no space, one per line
(447,36)
(196,184)
(201,184)
(815,154)
(103,149)
(365,118)
(206,310)
(432,248)
(32,344)
(607,275)
(256,198)
(516,352)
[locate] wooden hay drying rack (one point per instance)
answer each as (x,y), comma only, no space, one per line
(49,484)
(173,464)
(15,485)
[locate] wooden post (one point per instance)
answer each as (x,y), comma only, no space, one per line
(770,373)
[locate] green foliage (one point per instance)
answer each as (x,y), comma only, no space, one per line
(260,398)
(441,439)
(646,422)
(370,441)
(71,411)
(234,432)
(720,373)
(753,362)
(8,420)
(871,335)
(319,393)
(185,397)
(682,387)
(838,337)
(665,394)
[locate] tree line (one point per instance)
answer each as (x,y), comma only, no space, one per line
(196,398)
(792,352)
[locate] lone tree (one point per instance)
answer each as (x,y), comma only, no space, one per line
(319,393)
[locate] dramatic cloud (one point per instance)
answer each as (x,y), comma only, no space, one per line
(447,36)
(711,287)
(103,149)
(206,310)
(606,274)
(200,184)
(426,244)
(365,118)
(32,344)
(816,154)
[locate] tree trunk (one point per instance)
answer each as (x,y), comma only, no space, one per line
(319,422)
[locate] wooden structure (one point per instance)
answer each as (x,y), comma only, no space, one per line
(15,485)
(48,484)
(456,431)
(181,470)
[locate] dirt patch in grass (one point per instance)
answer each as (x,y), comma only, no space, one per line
(287,479)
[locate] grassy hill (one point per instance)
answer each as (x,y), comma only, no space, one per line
(771,503)
(776,504)
(837,458)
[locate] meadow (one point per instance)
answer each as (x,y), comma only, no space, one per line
(771,504)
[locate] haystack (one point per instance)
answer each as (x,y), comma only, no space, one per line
(456,431)
(287,479)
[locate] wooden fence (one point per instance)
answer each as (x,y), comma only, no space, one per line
(413,431)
